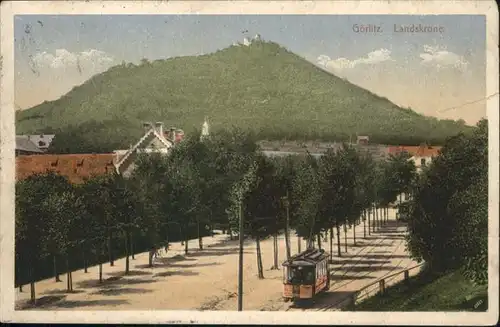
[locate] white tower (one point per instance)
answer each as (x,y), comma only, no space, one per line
(204,129)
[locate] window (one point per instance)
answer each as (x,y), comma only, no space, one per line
(422,162)
(41,143)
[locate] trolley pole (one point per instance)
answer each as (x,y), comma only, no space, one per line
(286,202)
(240,268)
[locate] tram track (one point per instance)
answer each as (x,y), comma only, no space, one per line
(369,265)
(360,275)
(337,303)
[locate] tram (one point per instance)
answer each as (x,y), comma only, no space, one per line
(305,275)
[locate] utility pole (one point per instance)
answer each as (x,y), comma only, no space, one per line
(240,268)
(286,202)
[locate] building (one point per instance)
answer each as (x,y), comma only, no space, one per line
(41,141)
(421,155)
(362,140)
(24,146)
(76,167)
(154,140)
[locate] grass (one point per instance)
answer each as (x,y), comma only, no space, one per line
(263,87)
(449,292)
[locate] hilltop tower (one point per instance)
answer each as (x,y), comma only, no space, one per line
(247,42)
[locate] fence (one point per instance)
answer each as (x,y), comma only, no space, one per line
(381,285)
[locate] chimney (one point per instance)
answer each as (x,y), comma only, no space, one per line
(172,133)
(159,127)
(147,126)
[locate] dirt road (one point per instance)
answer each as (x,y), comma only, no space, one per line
(207,279)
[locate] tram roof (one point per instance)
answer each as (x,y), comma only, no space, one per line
(308,257)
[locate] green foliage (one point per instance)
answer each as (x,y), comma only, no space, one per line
(263,88)
(306,191)
(448,224)
(206,183)
(450,292)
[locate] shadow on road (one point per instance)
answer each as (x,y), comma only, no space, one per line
(334,277)
(58,301)
(359,268)
(61,291)
(130,273)
(382,256)
(120,291)
(323,301)
(360,261)
(94,283)
(196,265)
(174,273)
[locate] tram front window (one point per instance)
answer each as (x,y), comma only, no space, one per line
(301,275)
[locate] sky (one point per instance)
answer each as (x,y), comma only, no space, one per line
(437,72)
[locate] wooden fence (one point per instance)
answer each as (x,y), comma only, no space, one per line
(382,284)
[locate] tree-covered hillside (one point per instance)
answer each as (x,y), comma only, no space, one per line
(263,87)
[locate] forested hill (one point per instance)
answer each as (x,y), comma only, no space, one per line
(263,87)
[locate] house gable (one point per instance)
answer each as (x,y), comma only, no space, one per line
(151,141)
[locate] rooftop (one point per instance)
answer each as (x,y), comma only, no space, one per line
(76,167)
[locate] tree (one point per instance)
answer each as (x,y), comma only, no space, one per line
(366,188)
(153,189)
(307,196)
(30,196)
(448,219)
(99,216)
(262,206)
(126,209)
(338,189)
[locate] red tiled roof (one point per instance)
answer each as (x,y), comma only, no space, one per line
(76,167)
(419,151)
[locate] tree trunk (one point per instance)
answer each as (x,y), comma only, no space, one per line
(275,251)
(345,237)
(364,223)
(354,234)
(110,251)
(32,284)
(319,240)
(85,263)
(331,243)
(99,259)
(299,245)
(132,245)
(369,227)
(56,272)
(151,254)
(259,258)
(200,238)
(186,249)
(68,279)
(127,253)
(70,267)
(338,239)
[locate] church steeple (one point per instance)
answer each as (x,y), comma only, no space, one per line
(204,129)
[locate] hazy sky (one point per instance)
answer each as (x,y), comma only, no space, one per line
(428,71)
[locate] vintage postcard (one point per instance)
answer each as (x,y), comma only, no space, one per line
(250,162)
